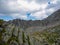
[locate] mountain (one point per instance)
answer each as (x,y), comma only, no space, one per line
(23,32)
(55,17)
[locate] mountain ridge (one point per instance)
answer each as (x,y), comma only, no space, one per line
(53,18)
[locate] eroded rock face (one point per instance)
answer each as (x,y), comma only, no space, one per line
(13,43)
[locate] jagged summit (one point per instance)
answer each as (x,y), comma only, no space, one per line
(24,23)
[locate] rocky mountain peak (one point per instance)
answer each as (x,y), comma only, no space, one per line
(55,16)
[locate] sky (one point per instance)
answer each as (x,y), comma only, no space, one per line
(27,9)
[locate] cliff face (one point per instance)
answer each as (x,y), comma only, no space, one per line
(23,32)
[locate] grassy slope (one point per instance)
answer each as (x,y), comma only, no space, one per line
(50,35)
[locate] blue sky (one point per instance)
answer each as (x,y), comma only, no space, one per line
(6,18)
(27,9)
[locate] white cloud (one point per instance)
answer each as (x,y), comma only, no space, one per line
(54,1)
(16,15)
(50,11)
(30,6)
(40,15)
(18,8)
